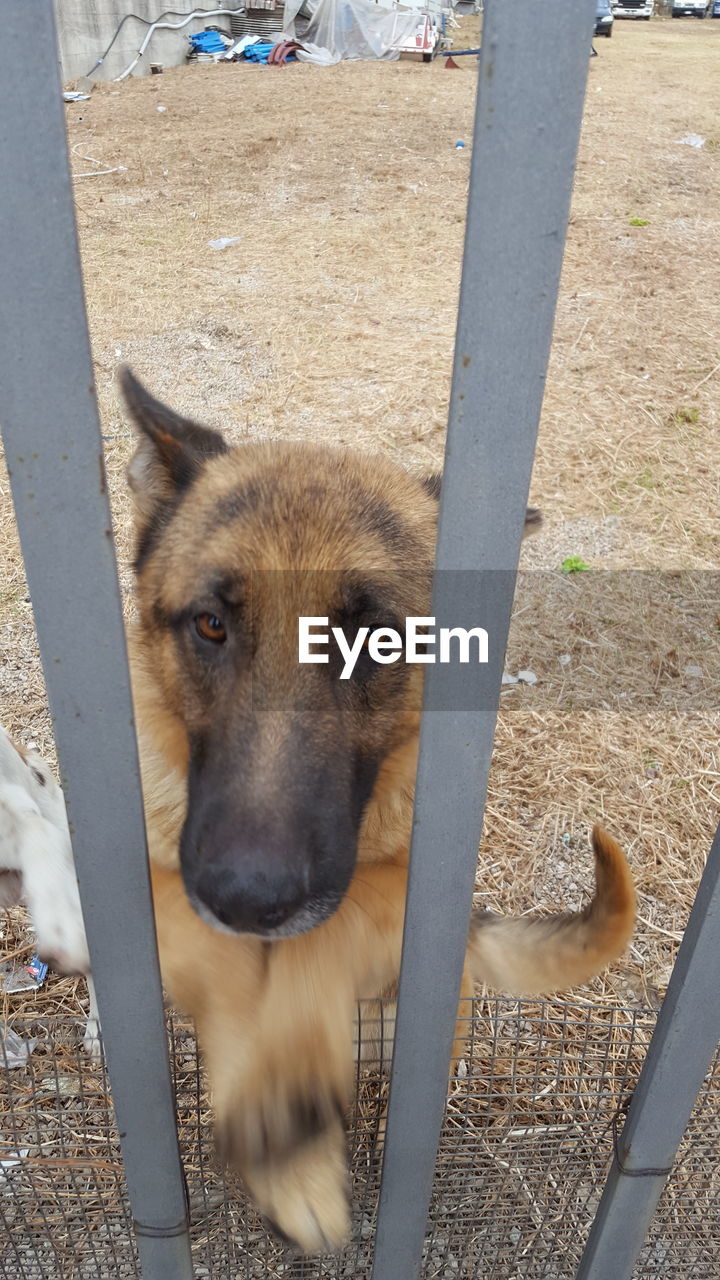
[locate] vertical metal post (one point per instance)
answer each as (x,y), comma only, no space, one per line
(680,1053)
(532,74)
(54,455)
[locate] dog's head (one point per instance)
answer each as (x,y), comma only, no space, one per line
(234,546)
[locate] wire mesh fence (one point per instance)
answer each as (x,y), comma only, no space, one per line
(526,1144)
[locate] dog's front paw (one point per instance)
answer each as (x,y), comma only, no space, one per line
(60,938)
(275,1124)
(304,1196)
(289,1147)
(91,1040)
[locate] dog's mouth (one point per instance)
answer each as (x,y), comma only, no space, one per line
(309,916)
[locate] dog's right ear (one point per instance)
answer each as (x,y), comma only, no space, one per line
(171,450)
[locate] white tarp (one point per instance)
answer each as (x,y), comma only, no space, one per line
(350,29)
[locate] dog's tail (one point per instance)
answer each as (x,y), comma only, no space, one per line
(535,956)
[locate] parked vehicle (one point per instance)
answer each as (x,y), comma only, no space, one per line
(689,8)
(713,9)
(633,9)
(603,18)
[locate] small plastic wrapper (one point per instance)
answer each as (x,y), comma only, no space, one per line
(14,1051)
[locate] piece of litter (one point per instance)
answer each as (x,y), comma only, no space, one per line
(564,659)
(12,1161)
(690,140)
(161,108)
(14,1051)
(695,672)
(224,242)
(64,1086)
(522,677)
(23,977)
(72,95)
(98,172)
(37,969)
(459,146)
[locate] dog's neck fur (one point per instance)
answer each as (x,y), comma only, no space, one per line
(164,757)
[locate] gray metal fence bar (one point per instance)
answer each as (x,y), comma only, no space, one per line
(532,76)
(54,454)
(685,1039)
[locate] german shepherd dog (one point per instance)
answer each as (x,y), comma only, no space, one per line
(279,797)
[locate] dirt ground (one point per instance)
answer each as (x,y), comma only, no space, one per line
(332,318)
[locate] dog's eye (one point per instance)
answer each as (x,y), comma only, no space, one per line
(209,627)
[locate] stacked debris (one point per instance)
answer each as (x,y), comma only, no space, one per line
(325,32)
(209,45)
(271,54)
(215,45)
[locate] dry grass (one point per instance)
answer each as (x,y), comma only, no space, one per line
(333,318)
(525,1150)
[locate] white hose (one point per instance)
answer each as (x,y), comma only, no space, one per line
(95,173)
(173,26)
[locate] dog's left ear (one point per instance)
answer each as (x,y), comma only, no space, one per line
(171,449)
(533,515)
(433,484)
(533,520)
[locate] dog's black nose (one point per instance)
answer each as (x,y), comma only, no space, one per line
(250,904)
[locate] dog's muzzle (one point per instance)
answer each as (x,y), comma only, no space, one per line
(270,926)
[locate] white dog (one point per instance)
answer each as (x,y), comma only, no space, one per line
(37,867)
